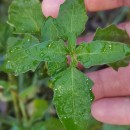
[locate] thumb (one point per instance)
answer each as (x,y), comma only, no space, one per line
(51,7)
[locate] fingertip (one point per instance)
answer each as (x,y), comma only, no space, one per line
(112,110)
(51,7)
(96,111)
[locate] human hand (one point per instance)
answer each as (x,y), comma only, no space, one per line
(111,89)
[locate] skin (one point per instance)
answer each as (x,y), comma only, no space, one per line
(111,89)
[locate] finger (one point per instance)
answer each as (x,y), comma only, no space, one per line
(110,83)
(51,7)
(99,5)
(112,110)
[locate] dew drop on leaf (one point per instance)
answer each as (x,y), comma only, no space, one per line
(55,89)
(42,54)
(11,51)
(27,51)
(49,46)
(28,40)
(110,46)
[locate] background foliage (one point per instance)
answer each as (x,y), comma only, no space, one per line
(29,96)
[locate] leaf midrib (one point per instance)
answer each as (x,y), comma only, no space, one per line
(72,81)
(97,53)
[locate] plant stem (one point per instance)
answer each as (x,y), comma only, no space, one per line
(21,80)
(23,111)
(34,80)
(14,94)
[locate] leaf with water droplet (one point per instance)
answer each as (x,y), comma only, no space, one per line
(73,106)
(50,31)
(101,52)
(50,51)
(112,33)
(17,59)
(72,18)
(56,67)
(26,16)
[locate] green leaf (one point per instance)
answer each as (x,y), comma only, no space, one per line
(56,67)
(17,127)
(121,63)
(112,33)
(72,98)
(50,31)
(53,124)
(72,18)
(71,43)
(39,107)
(18,60)
(94,124)
(26,16)
(72,49)
(5,33)
(38,126)
(50,51)
(114,127)
(101,52)
(28,93)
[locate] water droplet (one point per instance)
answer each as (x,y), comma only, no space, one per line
(11,51)
(28,40)
(27,51)
(49,45)
(16,48)
(110,46)
(55,89)
(104,50)
(75,122)
(42,54)
(52,46)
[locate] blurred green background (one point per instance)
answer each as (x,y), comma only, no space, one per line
(34,89)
